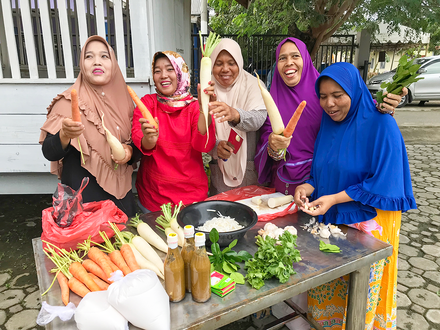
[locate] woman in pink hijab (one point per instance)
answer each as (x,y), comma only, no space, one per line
(239,112)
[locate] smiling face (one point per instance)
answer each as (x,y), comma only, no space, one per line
(225,69)
(290,64)
(164,76)
(97,64)
(333,99)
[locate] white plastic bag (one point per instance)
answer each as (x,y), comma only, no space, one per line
(95,313)
(48,313)
(142,300)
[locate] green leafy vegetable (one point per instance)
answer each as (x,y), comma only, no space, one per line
(272,259)
(405,75)
(330,248)
(226,261)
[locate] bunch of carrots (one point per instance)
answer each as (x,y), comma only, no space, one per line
(82,275)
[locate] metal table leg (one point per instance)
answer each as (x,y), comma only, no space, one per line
(357,299)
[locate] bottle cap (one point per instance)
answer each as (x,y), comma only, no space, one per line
(188,231)
(172,240)
(199,239)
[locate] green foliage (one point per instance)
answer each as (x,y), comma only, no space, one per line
(329,248)
(405,75)
(226,261)
(272,260)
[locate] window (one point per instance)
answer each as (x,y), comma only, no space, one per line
(433,68)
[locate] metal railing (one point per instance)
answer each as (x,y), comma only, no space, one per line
(259,53)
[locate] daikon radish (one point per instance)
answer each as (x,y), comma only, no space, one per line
(148,252)
(257,200)
(278,201)
(76,116)
(148,234)
(142,108)
(118,150)
(205,74)
(169,220)
(144,263)
(272,110)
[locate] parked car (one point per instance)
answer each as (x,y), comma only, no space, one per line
(423,90)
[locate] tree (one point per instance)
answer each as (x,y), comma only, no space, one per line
(314,21)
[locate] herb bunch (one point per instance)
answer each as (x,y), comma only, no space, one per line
(405,75)
(272,260)
(226,261)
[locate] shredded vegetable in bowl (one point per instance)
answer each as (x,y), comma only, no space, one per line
(221,223)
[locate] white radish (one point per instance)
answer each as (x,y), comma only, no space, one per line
(148,252)
(278,201)
(205,74)
(118,150)
(144,263)
(148,234)
(272,110)
(257,200)
(168,220)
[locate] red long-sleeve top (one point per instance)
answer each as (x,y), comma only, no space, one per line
(173,170)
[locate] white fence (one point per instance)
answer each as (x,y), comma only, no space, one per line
(40,41)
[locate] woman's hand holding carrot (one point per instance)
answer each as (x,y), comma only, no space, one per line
(151,134)
(70,130)
(278,142)
(224,151)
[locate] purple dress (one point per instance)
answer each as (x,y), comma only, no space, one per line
(286,175)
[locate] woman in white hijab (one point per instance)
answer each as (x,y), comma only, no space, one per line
(239,112)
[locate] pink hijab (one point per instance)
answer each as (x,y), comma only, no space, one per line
(244,94)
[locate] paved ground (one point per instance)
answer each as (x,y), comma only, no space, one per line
(419,252)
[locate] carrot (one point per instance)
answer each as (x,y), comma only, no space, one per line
(112,265)
(78,271)
(78,287)
(76,116)
(129,257)
(64,286)
(94,269)
(117,258)
(288,131)
(101,260)
(102,285)
(142,108)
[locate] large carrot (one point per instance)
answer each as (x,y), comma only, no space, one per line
(64,286)
(76,116)
(118,260)
(102,285)
(78,287)
(290,128)
(129,257)
(142,108)
(115,259)
(101,260)
(94,269)
(78,271)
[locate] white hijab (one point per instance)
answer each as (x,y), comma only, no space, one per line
(243,94)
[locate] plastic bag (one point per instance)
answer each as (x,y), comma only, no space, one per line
(48,313)
(241,193)
(95,313)
(94,217)
(142,300)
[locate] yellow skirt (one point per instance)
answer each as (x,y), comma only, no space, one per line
(328,303)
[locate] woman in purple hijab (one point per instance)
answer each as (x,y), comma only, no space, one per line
(294,81)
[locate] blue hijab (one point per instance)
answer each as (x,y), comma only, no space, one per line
(364,154)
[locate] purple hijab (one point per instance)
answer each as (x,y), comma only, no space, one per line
(296,168)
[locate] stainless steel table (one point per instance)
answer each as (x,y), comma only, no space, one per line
(359,251)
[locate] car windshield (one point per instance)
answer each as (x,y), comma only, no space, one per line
(421,60)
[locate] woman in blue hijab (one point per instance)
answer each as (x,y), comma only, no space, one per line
(360,177)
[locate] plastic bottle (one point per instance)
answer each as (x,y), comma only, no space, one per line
(187,253)
(174,270)
(200,271)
